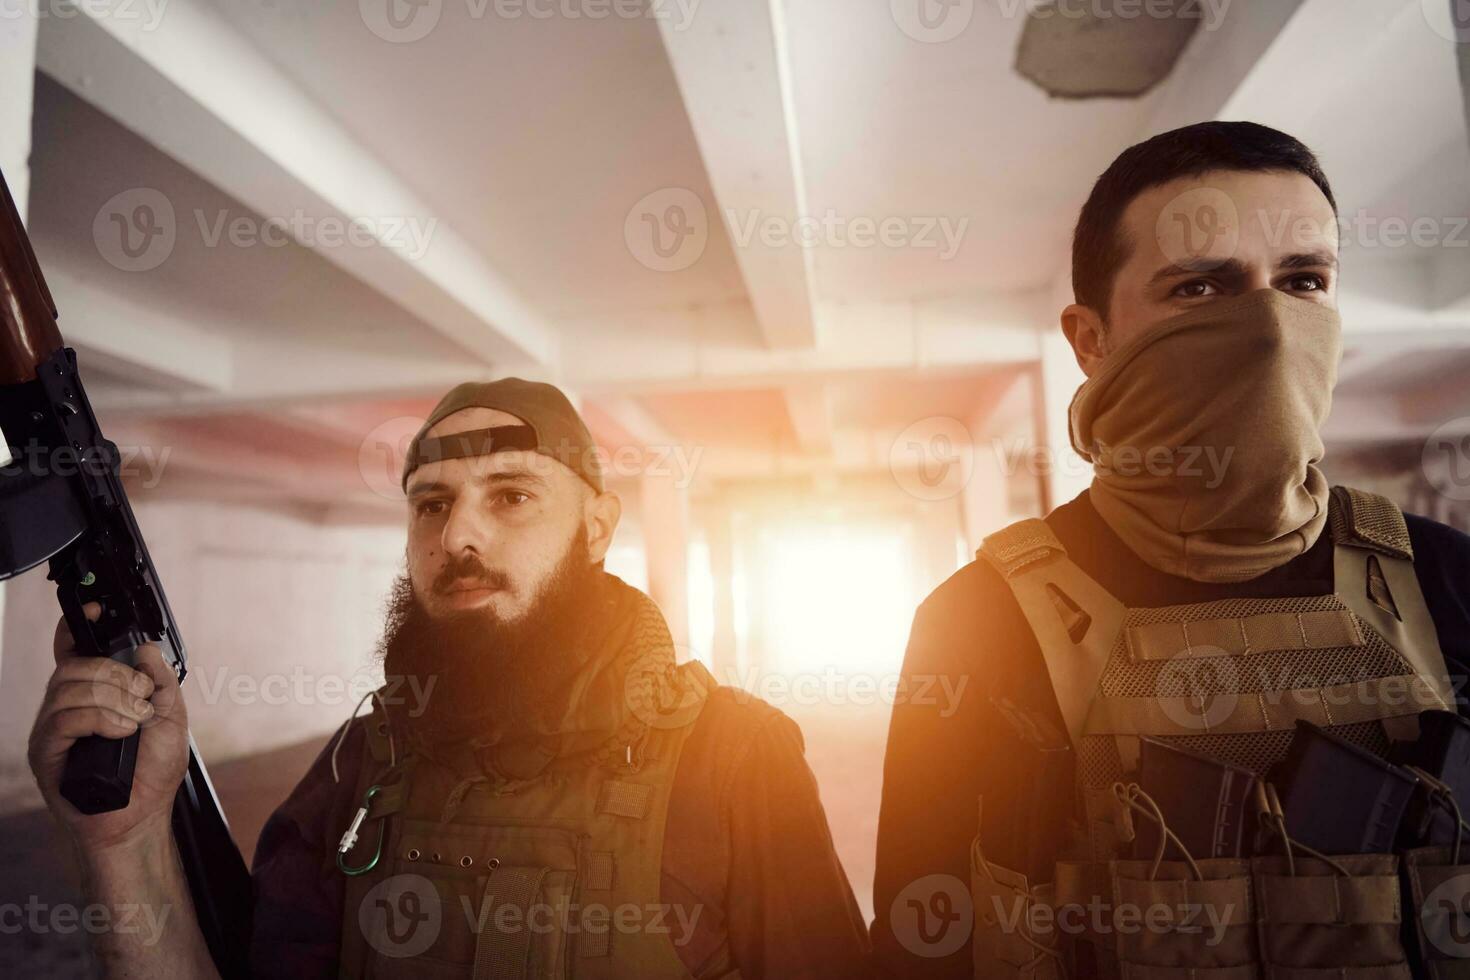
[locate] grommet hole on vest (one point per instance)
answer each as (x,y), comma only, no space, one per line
(507,892)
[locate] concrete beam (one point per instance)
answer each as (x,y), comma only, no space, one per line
(1389,49)
(193,87)
(732,68)
(685,349)
(630,415)
(142,344)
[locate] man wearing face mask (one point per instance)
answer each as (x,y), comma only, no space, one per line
(538,791)
(1207,592)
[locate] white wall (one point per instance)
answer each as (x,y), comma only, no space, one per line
(17,74)
(280,615)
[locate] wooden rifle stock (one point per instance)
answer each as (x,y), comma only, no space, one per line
(28,332)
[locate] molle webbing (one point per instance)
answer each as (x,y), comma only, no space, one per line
(553,858)
(1013,548)
(1228,679)
(1360,519)
(1249,667)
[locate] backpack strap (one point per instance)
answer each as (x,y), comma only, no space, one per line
(1075,620)
(1373,574)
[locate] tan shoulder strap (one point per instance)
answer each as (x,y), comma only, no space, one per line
(1013,548)
(1075,620)
(1373,574)
(1360,519)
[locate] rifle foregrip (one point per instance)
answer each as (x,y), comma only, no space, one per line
(98,777)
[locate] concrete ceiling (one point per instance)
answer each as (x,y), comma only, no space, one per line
(541,154)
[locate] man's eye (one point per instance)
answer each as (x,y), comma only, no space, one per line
(1195,288)
(1307,284)
(432,508)
(514,497)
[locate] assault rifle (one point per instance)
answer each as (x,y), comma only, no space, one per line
(71,510)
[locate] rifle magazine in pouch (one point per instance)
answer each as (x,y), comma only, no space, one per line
(1338,918)
(1173,925)
(1005,945)
(1438,894)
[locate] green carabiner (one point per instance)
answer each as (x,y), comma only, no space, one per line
(349,839)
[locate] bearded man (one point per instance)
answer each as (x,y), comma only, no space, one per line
(538,791)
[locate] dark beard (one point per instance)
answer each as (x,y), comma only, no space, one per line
(472,674)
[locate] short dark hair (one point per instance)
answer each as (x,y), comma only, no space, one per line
(1098,248)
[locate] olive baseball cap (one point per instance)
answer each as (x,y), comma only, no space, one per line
(549,425)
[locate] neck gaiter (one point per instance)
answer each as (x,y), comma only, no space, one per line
(1204,436)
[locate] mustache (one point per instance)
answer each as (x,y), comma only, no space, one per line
(468,567)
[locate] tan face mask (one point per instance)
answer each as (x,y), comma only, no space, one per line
(1204,435)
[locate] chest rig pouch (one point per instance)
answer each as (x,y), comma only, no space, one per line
(1226,681)
(557,876)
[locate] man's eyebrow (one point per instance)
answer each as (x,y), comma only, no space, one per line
(1224,268)
(426,488)
(1309,260)
(511,475)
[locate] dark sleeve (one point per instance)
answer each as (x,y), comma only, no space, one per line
(1442,565)
(298,890)
(949,746)
(792,914)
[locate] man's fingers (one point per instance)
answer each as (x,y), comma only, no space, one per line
(166,696)
(102,671)
(83,694)
(63,645)
(61,729)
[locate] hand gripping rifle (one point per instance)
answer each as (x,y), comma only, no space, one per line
(62,499)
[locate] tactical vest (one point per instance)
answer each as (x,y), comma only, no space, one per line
(557,876)
(1363,662)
